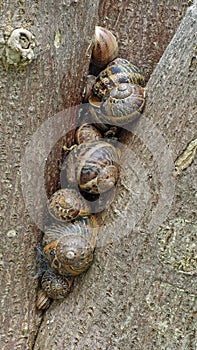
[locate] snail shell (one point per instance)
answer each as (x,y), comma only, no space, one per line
(105,47)
(117,72)
(55,285)
(93,166)
(86,133)
(123,104)
(69,247)
(43,301)
(67,204)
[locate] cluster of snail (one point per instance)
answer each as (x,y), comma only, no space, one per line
(116,97)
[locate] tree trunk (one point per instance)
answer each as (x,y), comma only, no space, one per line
(140,291)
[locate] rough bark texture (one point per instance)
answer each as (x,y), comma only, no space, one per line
(143,28)
(50,83)
(140,291)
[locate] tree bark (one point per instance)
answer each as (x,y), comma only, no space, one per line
(53,81)
(143,28)
(139,293)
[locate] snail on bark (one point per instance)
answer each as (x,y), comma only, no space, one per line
(69,247)
(54,286)
(67,204)
(93,166)
(118,95)
(105,47)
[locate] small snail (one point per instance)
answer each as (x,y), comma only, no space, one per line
(93,166)
(105,47)
(87,132)
(69,247)
(54,286)
(67,204)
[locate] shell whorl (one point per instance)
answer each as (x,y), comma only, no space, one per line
(123,104)
(69,247)
(55,286)
(67,204)
(90,160)
(105,47)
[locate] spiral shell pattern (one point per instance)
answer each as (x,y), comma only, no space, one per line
(105,47)
(123,104)
(117,72)
(93,166)
(67,204)
(69,247)
(55,286)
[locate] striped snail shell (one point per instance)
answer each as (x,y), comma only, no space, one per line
(69,247)
(93,166)
(105,47)
(67,204)
(54,286)
(87,132)
(117,72)
(132,69)
(123,104)
(43,301)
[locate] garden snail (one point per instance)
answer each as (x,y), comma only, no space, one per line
(54,286)
(105,47)
(68,251)
(118,95)
(105,50)
(67,204)
(122,105)
(69,247)
(93,166)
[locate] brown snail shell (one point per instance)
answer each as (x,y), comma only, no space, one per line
(55,285)
(123,104)
(43,301)
(105,47)
(67,204)
(87,132)
(93,166)
(117,72)
(69,247)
